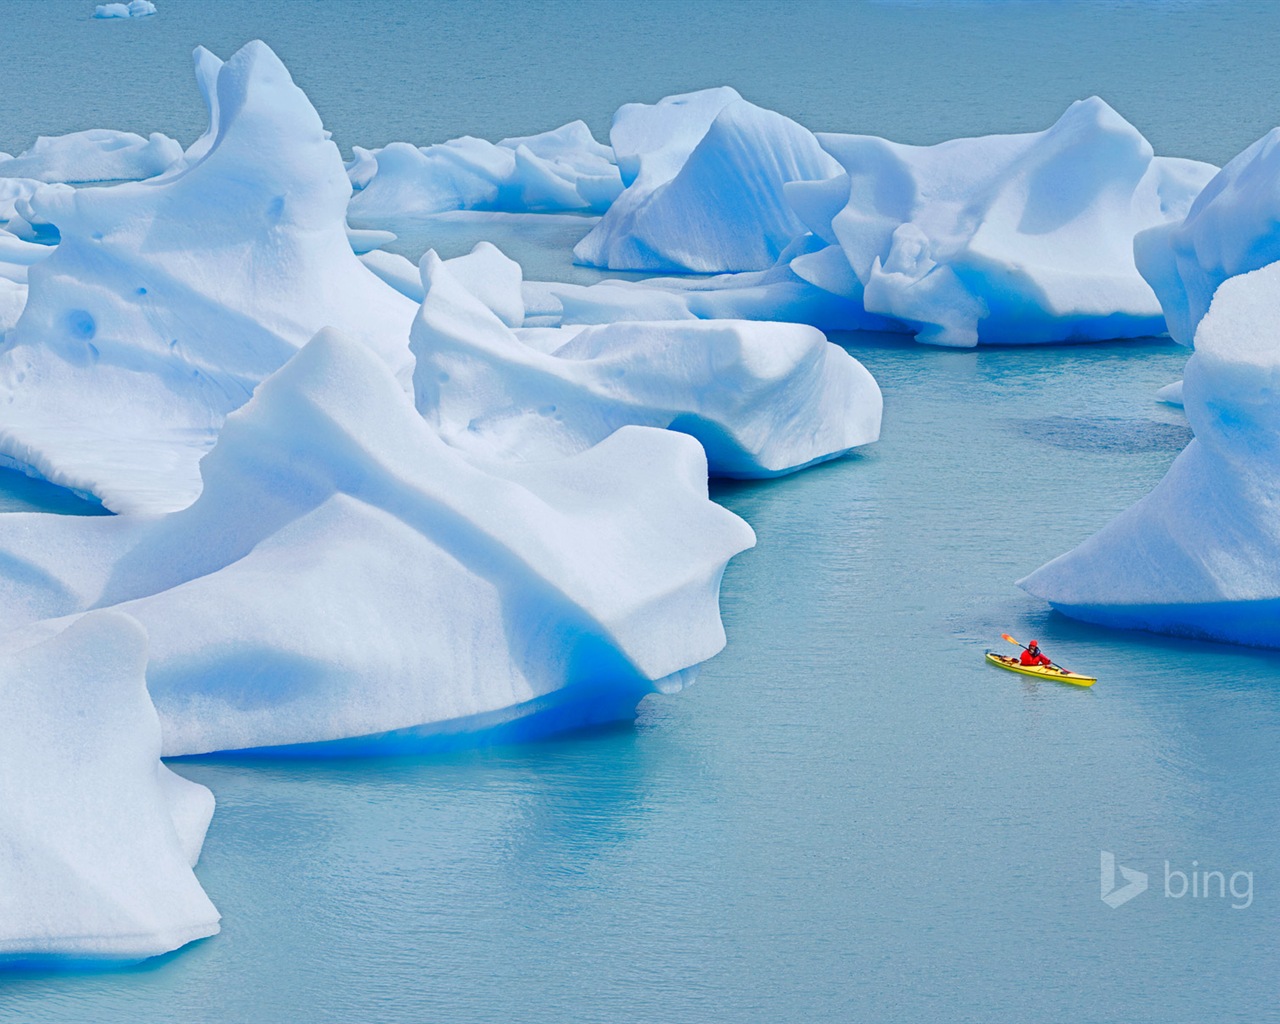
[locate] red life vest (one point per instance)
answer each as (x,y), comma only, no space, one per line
(1034,659)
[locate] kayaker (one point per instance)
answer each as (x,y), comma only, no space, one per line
(1033,656)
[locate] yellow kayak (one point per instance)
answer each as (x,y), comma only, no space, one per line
(1059,675)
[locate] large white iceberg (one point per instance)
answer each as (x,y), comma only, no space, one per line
(168,300)
(97,836)
(1200,555)
(762,398)
(705,174)
(95,155)
(347,575)
(1230,229)
(560,170)
(1004,239)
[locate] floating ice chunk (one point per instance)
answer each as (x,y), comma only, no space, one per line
(1004,239)
(95,155)
(133,9)
(167,301)
(1230,229)
(1171,394)
(365,240)
(716,207)
(772,295)
(1200,555)
(763,398)
(345,573)
(564,169)
(461,174)
(98,837)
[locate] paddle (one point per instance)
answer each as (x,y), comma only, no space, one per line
(1006,636)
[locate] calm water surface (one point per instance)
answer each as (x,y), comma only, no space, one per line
(849,817)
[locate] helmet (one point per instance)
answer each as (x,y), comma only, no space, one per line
(1034,643)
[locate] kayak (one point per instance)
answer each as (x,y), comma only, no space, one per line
(1058,675)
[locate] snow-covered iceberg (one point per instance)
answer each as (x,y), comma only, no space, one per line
(762,398)
(168,300)
(345,575)
(97,836)
(560,170)
(1231,228)
(1005,239)
(95,155)
(705,174)
(1200,555)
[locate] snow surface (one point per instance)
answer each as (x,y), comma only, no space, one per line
(95,155)
(1230,229)
(705,176)
(345,573)
(1200,555)
(98,837)
(168,300)
(762,398)
(560,170)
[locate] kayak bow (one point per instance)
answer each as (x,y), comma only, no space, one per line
(1058,675)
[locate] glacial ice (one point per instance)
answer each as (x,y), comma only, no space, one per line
(1229,230)
(705,174)
(762,398)
(97,836)
(95,155)
(346,574)
(1200,555)
(560,170)
(168,300)
(1005,239)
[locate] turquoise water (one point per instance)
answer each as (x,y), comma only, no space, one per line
(850,816)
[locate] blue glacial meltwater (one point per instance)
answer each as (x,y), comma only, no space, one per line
(850,816)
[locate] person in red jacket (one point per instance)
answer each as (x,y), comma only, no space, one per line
(1032,655)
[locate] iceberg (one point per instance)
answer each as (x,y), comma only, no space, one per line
(347,578)
(763,398)
(1200,555)
(1005,239)
(560,170)
(168,300)
(95,155)
(98,837)
(705,186)
(1230,229)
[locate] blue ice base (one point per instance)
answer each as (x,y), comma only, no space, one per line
(552,714)
(1252,623)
